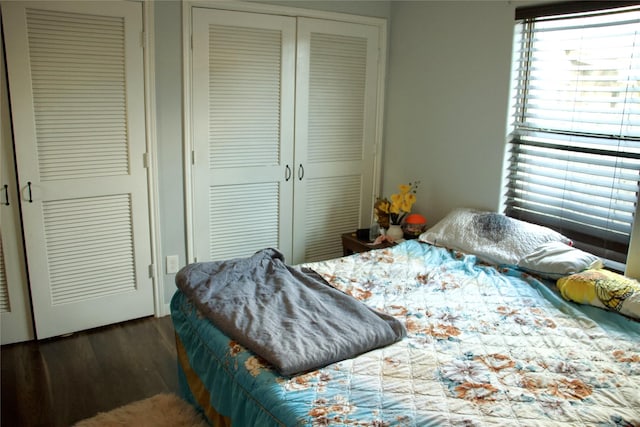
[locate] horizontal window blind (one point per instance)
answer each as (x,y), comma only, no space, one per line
(575,137)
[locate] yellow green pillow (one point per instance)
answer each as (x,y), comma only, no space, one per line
(604,289)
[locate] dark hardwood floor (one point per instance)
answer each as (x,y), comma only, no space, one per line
(60,381)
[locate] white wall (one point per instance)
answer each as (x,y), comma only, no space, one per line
(447,102)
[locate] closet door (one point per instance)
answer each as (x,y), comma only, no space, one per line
(336,103)
(243,89)
(15,310)
(76,83)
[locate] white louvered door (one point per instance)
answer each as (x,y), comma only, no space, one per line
(264,176)
(15,309)
(336,103)
(243,89)
(76,82)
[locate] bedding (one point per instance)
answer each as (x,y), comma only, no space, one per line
(554,260)
(494,238)
(484,347)
(289,316)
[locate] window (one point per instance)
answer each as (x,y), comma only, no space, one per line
(574,141)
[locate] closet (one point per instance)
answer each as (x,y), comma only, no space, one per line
(76,86)
(285,114)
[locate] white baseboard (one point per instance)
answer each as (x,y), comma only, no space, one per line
(166,310)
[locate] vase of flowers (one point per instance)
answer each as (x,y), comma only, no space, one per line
(395,232)
(390,212)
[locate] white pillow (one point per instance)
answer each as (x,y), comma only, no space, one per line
(554,260)
(492,237)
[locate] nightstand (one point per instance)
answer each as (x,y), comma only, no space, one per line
(351,244)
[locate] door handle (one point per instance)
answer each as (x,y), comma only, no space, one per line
(300,172)
(30,195)
(287,173)
(6,195)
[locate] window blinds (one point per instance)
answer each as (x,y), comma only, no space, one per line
(575,138)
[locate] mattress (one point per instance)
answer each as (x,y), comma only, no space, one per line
(484,346)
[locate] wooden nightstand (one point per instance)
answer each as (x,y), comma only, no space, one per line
(351,244)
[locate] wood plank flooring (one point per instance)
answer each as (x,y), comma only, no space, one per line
(60,381)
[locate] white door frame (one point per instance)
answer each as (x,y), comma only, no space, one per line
(148,15)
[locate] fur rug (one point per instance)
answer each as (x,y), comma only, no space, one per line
(162,410)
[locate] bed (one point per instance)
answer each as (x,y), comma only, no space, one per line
(485,344)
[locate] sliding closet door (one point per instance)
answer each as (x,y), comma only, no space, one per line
(336,103)
(76,83)
(15,310)
(243,89)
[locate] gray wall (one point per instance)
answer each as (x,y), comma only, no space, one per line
(375,8)
(168,56)
(447,102)
(447,105)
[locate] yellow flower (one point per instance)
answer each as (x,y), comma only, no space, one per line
(381,210)
(384,206)
(394,209)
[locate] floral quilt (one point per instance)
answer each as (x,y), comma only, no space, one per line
(485,347)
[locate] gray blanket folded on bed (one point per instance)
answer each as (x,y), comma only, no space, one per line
(289,316)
